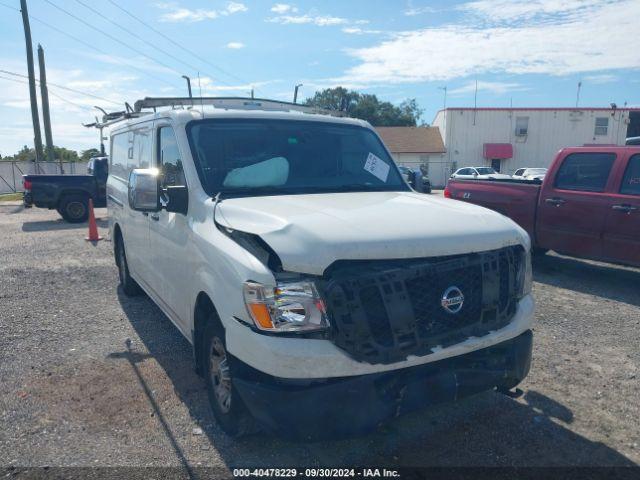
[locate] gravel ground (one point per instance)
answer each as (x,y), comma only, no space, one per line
(73,395)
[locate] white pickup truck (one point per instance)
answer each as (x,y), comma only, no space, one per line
(322,296)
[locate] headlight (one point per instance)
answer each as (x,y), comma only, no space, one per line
(292,306)
(525,275)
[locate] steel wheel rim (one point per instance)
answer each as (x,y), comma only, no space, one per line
(75,209)
(220,376)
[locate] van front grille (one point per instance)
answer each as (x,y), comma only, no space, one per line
(384,310)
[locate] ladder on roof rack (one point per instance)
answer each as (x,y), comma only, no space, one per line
(231,103)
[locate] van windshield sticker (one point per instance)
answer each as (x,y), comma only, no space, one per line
(377,167)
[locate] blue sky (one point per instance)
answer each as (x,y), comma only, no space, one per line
(530,53)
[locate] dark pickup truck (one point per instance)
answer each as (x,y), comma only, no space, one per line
(69,194)
(587,206)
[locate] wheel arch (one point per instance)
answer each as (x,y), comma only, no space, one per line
(74,191)
(202,311)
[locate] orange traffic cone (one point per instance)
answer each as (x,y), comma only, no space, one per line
(93,227)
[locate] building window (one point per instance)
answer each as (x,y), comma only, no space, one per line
(602,125)
(522,126)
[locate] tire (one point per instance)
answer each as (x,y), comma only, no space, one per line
(228,408)
(74,208)
(129,286)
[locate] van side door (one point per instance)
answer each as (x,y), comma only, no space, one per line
(622,229)
(574,203)
(170,233)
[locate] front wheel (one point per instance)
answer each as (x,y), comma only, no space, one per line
(129,286)
(228,409)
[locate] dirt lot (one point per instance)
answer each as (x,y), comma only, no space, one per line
(72,394)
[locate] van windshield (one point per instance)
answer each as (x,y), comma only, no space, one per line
(272,157)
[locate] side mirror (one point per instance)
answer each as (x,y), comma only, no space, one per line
(177,199)
(144,190)
(475,174)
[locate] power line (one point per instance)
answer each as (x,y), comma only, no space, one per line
(115,39)
(24,82)
(86,44)
(80,92)
(166,37)
(142,39)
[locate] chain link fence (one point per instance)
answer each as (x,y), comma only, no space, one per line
(11,172)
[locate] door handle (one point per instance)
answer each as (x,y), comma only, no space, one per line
(155,217)
(556,201)
(146,214)
(624,208)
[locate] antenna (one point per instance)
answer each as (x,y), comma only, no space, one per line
(201,101)
(578,94)
(475,102)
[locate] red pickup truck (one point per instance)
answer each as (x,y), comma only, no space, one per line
(588,204)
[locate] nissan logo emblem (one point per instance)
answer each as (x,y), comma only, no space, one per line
(452,300)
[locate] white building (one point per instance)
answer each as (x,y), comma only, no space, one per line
(415,146)
(512,138)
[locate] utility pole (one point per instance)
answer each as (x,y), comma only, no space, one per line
(44,95)
(101,127)
(295,93)
(444,103)
(37,137)
(578,94)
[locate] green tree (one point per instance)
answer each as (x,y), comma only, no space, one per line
(29,154)
(368,107)
(86,155)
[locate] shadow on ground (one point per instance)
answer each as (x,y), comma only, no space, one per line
(602,280)
(58,224)
(488,429)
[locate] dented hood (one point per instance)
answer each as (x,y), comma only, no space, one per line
(310,232)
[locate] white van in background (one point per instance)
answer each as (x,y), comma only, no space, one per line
(321,295)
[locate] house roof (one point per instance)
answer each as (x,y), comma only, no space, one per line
(412,139)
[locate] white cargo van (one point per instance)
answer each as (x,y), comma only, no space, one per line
(321,295)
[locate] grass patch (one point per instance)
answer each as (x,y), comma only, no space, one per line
(7,197)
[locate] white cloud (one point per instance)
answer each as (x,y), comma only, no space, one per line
(412,10)
(235,45)
(210,87)
(590,38)
(360,31)
(507,10)
(68,109)
(602,78)
(319,20)
(493,87)
(184,14)
(180,14)
(235,7)
(282,8)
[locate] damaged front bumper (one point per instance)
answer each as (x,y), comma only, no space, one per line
(338,407)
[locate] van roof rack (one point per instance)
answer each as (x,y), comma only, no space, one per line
(226,103)
(231,103)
